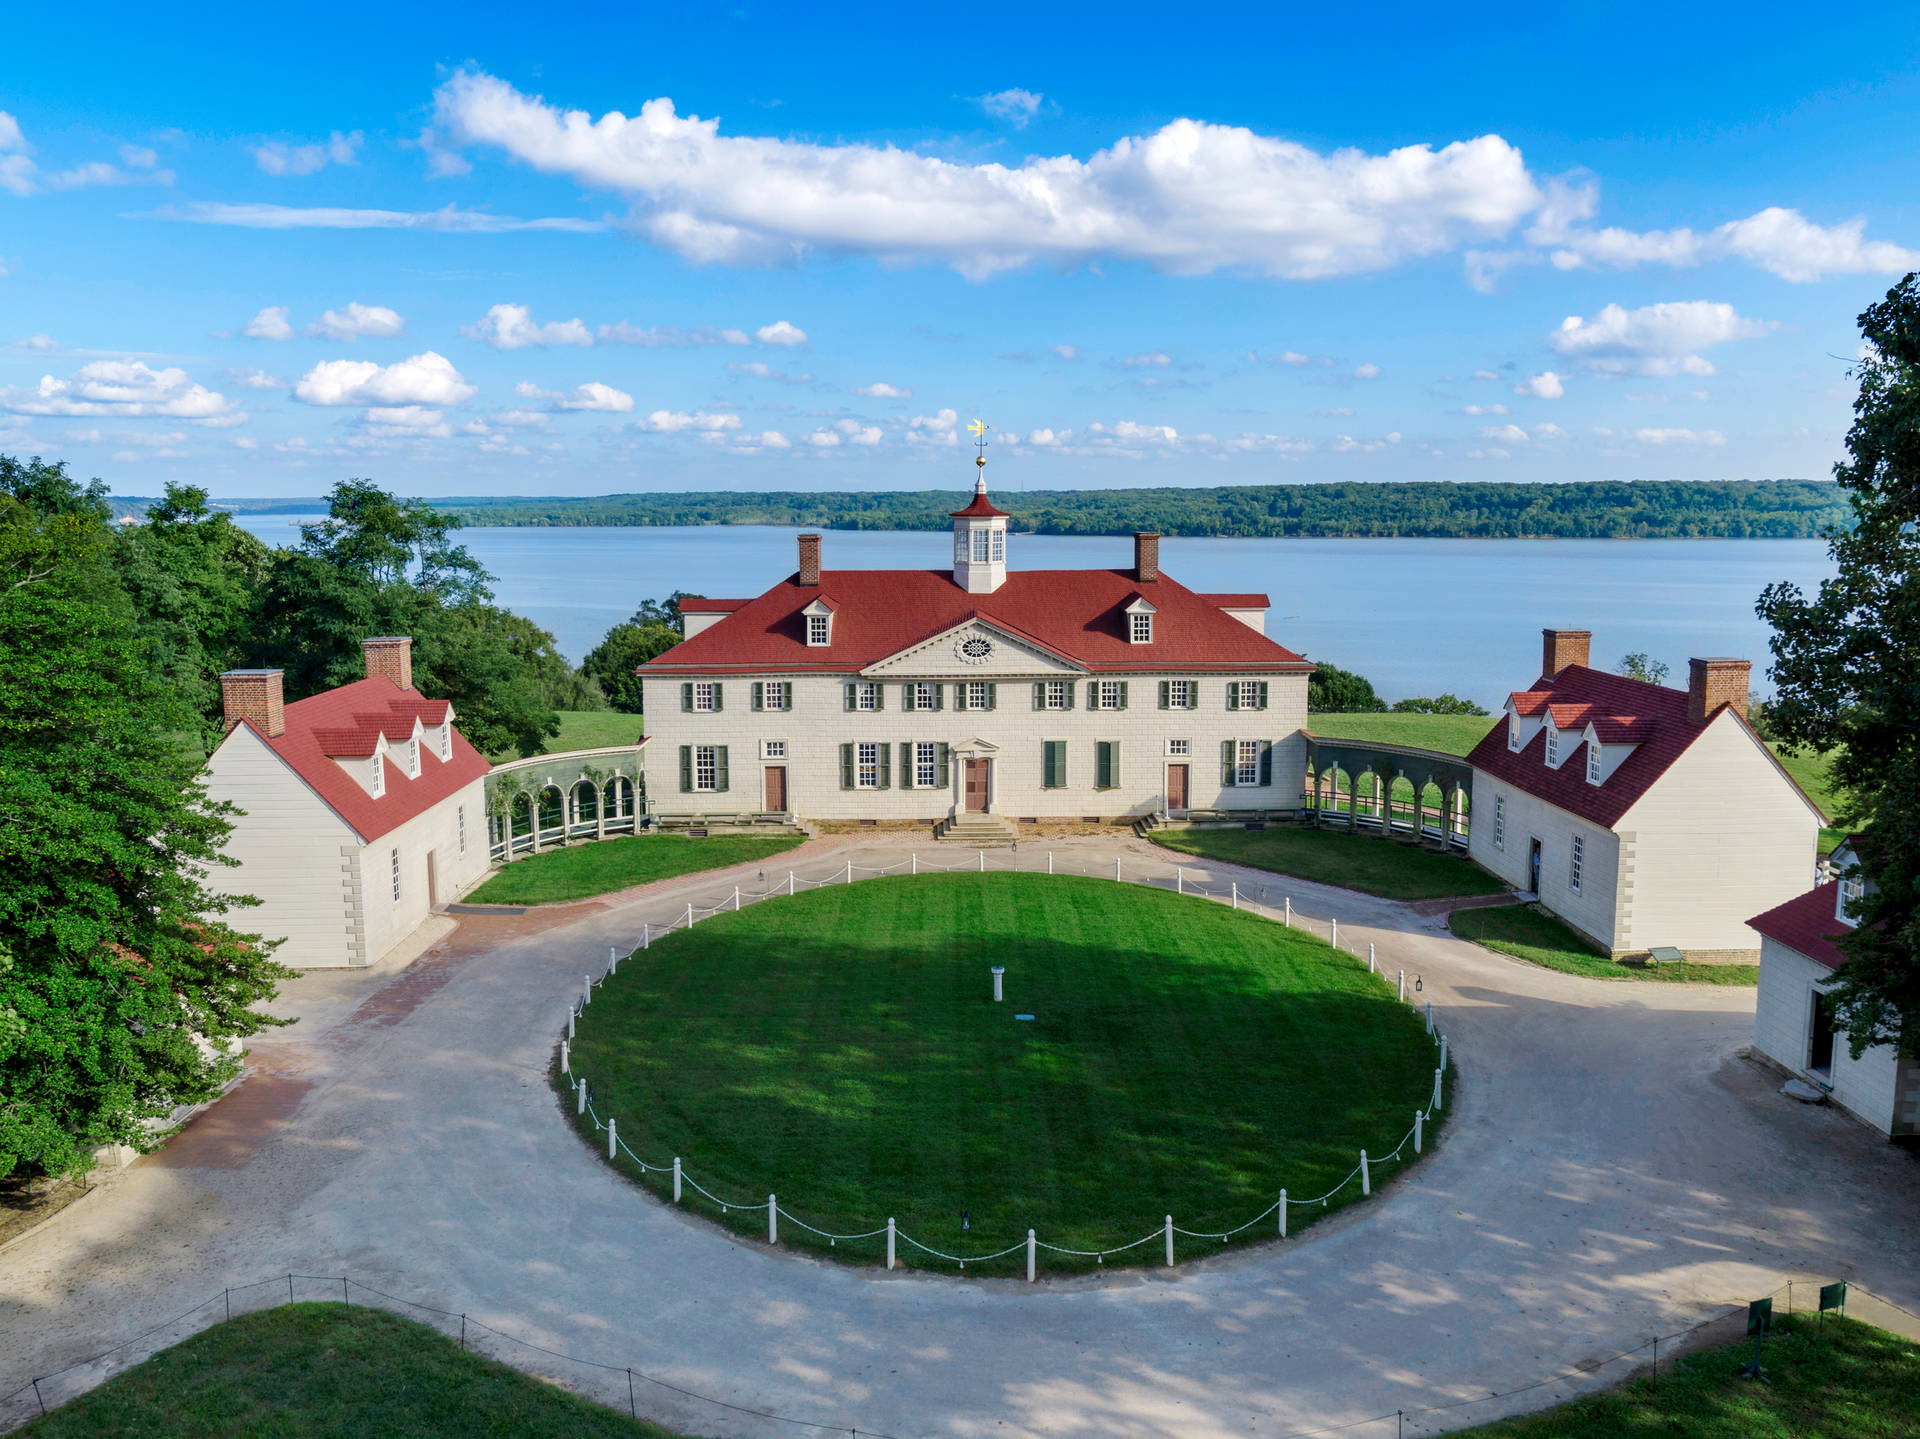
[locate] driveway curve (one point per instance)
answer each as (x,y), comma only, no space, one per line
(1611,1170)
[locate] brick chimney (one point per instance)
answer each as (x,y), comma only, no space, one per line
(1146,558)
(254,696)
(809,560)
(1712,683)
(1560,648)
(390,655)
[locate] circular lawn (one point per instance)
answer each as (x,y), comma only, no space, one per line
(842,1049)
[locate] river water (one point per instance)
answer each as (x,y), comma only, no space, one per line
(1417,617)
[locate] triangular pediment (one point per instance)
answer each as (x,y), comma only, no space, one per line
(973,649)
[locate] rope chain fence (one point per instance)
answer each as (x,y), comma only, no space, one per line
(845,874)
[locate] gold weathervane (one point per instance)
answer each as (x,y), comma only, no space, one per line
(978,429)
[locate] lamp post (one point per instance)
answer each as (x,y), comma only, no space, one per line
(999,971)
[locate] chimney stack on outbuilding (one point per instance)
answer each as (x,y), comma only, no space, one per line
(390,655)
(1560,648)
(809,560)
(1146,558)
(256,696)
(1712,683)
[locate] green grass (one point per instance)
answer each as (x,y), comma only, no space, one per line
(586,729)
(600,867)
(1537,937)
(326,1371)
(1449,734)
(1353,861)
(843,1050)
(1843,1380)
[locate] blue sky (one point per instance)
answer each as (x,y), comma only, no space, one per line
(798,247)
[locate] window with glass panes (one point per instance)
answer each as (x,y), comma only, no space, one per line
(393,856)
(1246,765)
(866,696)
(925,770)
(1593,764)
(706,767)
(1576,862)
(817,629)
(703,693)
(777,695)
(973,694)
(1500,821)
(1055,694)
(1180,694)
(924,697)
(1553,745)
(1141,628)
(1107,694)
(867,765)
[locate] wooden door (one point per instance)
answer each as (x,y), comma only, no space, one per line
(776,789)
(1176,786)
(977,772)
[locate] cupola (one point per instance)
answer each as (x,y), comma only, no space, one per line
(980,543)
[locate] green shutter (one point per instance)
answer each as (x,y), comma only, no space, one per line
(940,700)
(886,765)
(846,695)
(720,768)
(759,695)
(1103,766)
(686,769)
(946,759)
(879,697)
(909,697)
(1123,694)
(1165,689)
(1039,694)
(992,694)
(1053,764)
(1263,695)
(1070,689)
(1233,694)
(906,764)
(719,696)
(1193,694)
(686,698)
(1226,763)
(846,766)
(1266,762)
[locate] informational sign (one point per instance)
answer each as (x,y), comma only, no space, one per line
(1833,1296)
(1760,1317)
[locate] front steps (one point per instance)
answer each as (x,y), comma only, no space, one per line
(975,828)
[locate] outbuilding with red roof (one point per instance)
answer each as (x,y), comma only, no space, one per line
(362,808)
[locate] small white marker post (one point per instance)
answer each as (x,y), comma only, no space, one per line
(1288,920)
(1030,1255)
(613,960)
(1169,1241)
(563,1058)
(676,1179)
(610,1139)
(1283,1214)
(1436,1087)
(889,1241)
(736,899)
(1333,933)
(1419,1118)
(581,1089)
(1049,861)
(773,1220)
(1179,880)
(646,935)
(1366,1177)
(1443,1051)
(1429,1018)
(586,981)
(1236,894)
(789,884)
(689,914)
(1403,986)
(1369,959)
(1116,866)
(999,970)
(913,863)
(569,1021)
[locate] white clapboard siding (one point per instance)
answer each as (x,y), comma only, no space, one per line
(388,921)
(1591,909)
(1783,1031)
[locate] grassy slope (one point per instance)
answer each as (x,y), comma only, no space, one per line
(1844,1381)
(583,870)
(843,1050)
(1355,861)
(587,729)
(324,1371)
(1527,933)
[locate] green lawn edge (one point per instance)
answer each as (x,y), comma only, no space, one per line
(653,1124)
(1527,933)
(596,867)
(1363,862)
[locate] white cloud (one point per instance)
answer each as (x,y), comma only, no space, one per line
(1148,359)
(1346,412)
(123,388)
(780,333)
(1483,409)
(1367,371)
(759,369)
(670,422)
(245,442)
(1189,198)
(857,433)
(881,390)
(663,336)
(410,419)
(1346,444)
(1680,437)
(276,158)
(1269,444)
(290,217)
(138,166)
(1544,386)
(39,344)
(1505,434)
(269,324)
(1067,352)
(252,379)
(1548,431)
(1658,339)
(935,429)
(1044,438)
(424,379)
(1016,107)
(1485,375)
(823,439)
(1491,454)
(511,327)
(595,396)
(357,320)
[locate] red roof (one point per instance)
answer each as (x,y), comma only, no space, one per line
(1653,718)
(1076,614)
(315,730)
(981,508)
(700,605)
(1238,602)
(1806,925)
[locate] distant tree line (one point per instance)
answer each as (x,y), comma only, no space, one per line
(1634,509)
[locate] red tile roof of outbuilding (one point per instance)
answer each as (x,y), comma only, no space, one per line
(1076,614)
(315,730)
(1806,925)
(701,605)
(1238,602)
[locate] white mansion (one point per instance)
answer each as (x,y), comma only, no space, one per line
(940,694)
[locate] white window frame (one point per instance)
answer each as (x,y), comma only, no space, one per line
(1140,628)
(866,764)
(706,768)
(1499,821)
(1553,746)
(460,813)
(704,692)
(982,547)
(378,775)
(1054,696)
(924,695)
(1179,748)
(413,758)
(819,630)
(446,738)
(1179,694)
(393,860)
(1852,890)
(866,696)
(971,694)
(926,764)
(1576,862)
(1246,762)
(999,545)
(776,695)
(1106,694)
(1593,763)
(773,749)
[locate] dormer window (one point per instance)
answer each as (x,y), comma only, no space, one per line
(817,629)
(446,738)
(1852,890)
(379,775)
(413,758)
(1593,763)
(1140,628)
(1513,732)
(1553,747)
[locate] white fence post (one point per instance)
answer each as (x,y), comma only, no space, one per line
(613,959)
(581,1107)
(1366,1177)
(1443,1051)
(1116,866)
(789,884)
(564,1068)
(1283,1214)
(889,1241)
(1436,1087)
(849,871)
(1179,880)
(1049,861)
(1236,894)
(913,863)
(1334,933)
(1030,1256)
(983,861)
(1169,1241)
(689,914)
(569,1021)
(773,1220)
(1369,959)
(736,899)
(1288,920)
(1429,1018)
(646,935)
(1418,1120)
(586,981)
(676,1179)
(611,1153)
(1403,986)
